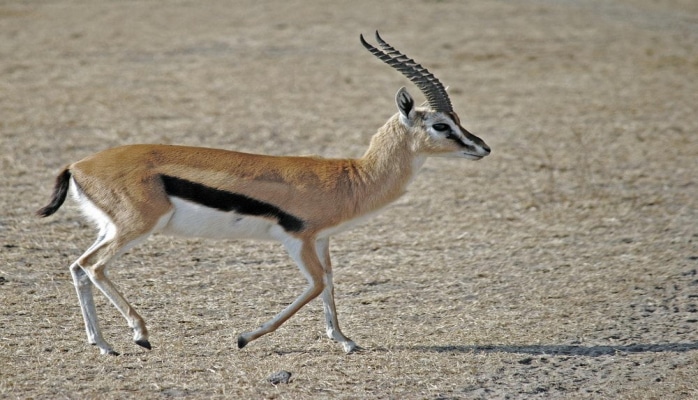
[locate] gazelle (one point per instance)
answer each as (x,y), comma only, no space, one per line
(134,191)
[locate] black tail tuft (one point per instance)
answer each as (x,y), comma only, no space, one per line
(60,190)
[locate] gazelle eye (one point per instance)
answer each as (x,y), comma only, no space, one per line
(441,127)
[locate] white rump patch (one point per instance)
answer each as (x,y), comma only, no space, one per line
(107,229)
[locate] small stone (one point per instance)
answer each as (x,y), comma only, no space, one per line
(279,377)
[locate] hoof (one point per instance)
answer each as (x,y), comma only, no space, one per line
(242,342)
(143,343)
(105,350)
(351,347)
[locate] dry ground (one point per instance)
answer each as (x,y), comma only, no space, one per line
(563,265)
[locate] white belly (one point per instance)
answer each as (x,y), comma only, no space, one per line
(193,220)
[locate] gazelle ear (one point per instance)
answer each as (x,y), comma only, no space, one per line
(405,104)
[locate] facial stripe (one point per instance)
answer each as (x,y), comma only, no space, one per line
(461,141)
(455,138)
(227,201)
(468,140)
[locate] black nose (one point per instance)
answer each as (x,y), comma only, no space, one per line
(479,142)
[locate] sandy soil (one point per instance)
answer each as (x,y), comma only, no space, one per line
(562,266)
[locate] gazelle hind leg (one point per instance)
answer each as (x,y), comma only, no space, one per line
(303,253)
(115,238)
(83,287)
(322,248)
(95,264)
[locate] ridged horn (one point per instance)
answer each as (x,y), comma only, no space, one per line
(431,87)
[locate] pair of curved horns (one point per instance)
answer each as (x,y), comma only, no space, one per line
(431,87)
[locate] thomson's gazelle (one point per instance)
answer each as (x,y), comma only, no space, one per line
(134,191)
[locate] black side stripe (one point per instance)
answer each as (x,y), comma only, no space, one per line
(227,201)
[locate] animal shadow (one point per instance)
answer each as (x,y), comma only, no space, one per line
(569,350)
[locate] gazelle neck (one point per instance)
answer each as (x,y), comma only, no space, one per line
(388,165)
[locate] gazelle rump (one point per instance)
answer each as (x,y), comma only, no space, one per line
(134,191)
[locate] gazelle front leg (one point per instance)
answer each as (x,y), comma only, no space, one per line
(303,253)
(322,247)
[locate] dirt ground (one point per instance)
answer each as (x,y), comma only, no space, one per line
(565,265)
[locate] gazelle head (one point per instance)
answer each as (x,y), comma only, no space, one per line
(436,127)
